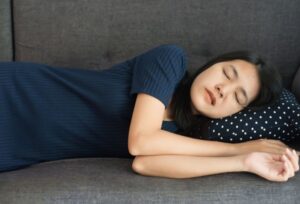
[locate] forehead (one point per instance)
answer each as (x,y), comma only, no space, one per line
(248,76)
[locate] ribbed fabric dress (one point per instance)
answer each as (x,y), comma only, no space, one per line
(50,113)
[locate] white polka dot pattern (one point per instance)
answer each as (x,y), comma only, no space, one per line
(280,121)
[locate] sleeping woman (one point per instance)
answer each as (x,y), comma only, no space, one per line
(148,108)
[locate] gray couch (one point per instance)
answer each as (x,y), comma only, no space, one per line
(95,34)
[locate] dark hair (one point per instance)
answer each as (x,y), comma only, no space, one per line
(196,125)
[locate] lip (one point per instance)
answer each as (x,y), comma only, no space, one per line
(211,96)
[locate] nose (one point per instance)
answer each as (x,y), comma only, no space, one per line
(219,92)
(224,90)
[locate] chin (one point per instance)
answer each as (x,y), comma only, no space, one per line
(206,114)
(213,115)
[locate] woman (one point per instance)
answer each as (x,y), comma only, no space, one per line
(222,87)
(50,113)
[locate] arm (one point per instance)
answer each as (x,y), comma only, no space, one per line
(269,166)
(162,142)
(147,138)
(180,166)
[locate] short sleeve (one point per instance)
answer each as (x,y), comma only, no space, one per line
(158,71)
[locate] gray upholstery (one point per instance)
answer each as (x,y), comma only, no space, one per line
(98,33)
(95,34)
(111,181)
(6,52)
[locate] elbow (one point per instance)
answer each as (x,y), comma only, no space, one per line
(133,146)
(133,151)
(139,144)
(137,166)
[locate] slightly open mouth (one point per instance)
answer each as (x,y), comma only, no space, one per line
(211,97)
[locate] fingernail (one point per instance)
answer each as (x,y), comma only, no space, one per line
(294,151)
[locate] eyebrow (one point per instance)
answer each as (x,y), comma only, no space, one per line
(236,74)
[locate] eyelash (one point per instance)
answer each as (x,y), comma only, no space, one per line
(226,75)
(234,93)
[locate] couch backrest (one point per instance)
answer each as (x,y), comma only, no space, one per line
(6,52)
(296,85)
(96,34)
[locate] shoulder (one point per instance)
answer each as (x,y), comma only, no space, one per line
(172,51)
(167,61)
(173,48)
(173,58)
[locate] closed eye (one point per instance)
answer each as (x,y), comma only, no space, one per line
(236,98)
(225,74)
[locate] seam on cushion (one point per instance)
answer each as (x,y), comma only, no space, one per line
(12,29)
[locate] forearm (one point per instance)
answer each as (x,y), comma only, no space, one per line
(167,143)
(181,166)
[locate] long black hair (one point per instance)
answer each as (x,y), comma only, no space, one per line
(196,125)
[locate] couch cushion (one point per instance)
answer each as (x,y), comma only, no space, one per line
(111,180)
(6,53)
(296,85)
(96,34)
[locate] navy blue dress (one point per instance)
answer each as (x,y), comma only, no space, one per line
(51,113)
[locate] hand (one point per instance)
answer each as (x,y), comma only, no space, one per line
(272,167)
(261,145)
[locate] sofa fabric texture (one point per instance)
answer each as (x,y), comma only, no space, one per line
(6,52)
(296,84)
(106,180)
(96,34)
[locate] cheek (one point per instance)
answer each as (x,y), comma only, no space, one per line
(194,95)
(230,108)
(219,111)
(195,90)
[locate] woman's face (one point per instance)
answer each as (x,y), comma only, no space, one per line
(232,86)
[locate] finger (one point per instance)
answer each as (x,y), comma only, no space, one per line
(297,158)
(277,157)
(285,172)
(290,167)
(292,159)
(298,153)
(286,163)
(276,172)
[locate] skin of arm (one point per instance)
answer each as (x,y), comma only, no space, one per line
(272,167)
(182,166)
(145,136)
(163,142)
(167,154)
